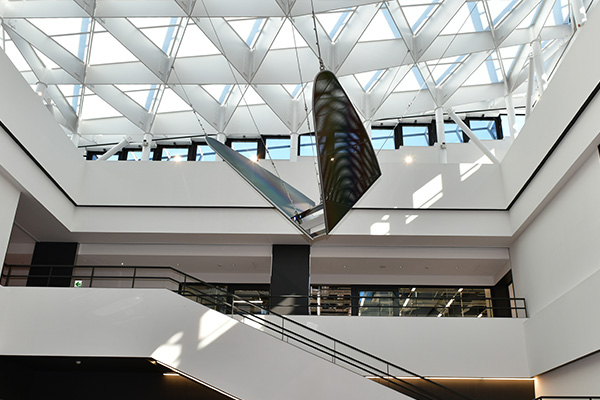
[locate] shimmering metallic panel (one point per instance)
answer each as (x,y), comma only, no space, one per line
(282,195)
(347,162)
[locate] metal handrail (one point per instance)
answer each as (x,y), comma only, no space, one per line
(186,289)
(568,397)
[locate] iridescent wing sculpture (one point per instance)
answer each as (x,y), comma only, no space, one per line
(287,199)
(348,165)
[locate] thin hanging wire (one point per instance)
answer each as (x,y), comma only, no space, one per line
(268,154)
(314,18)
(312,137)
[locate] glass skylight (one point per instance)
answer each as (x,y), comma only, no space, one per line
(195,43)
(382,27)
(94,107)
(288,38)
(247,29)
(418,15)
(470,18)
(282,65)
(334,22)
(368,80)
(108,50)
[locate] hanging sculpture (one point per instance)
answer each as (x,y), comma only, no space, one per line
(348,165)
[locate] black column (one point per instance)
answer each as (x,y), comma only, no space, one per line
(290,279)
(500,294)
(52,264)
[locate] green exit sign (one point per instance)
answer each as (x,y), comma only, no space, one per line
(78,284)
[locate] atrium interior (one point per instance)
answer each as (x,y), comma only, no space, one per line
(469,260)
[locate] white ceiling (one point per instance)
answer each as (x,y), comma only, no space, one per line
(177,68)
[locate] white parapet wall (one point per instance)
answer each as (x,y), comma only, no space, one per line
(159,324)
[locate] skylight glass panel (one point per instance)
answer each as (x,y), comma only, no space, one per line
(195,43)
(94,107)
(383,139)
(45,60)
(508,55)
(15,56)
(288,38)
(247,29)
(382,27)
(107,50)
(251,98)
(528,21)
(72,94)
(58,26)
(417,16)
(205,153)
(293,90)
(412,81)
(219,92)
(141,94)
(470,18)
(247,149)
(162,37)
(500,9)
(333,22)
(367,80)
(560,13)
(171,102)
(73,43)
(440,70)
(488,72)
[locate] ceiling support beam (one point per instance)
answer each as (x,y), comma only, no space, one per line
(472,136)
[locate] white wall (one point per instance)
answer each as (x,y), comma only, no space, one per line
(556,268)
(185,335)
(436,347)
(579,378)
(9,199)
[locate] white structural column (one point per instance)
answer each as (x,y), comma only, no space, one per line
(441,134)
(294,146)
(530,78)
(9,199)
(512,119)
(472,136)
(538,63)
(146,146)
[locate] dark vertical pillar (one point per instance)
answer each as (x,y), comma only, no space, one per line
(500,294)
(52,264)
(290,279)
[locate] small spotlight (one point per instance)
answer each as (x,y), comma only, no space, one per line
(332,158)
(408,159)
(40,88)
(254,158)
(177,159)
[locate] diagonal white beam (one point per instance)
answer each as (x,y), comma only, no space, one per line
(435,25)
(87,5)
(402,24)
(204,104)
(40,9)
(136,42)
(224,37)
(305,26)
(263,44)
(384,88)
(131,110)
(541,17)
(42,73)
(462,73)
(281,103)
(348,37)
(73,65)
(514,19)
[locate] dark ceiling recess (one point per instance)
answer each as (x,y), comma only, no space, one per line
(95,378)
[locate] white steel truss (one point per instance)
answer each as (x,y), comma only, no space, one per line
(173,68)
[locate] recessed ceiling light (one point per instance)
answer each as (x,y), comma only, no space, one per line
(408,159)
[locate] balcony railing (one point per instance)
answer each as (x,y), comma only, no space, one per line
(424,305)
(274,324)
